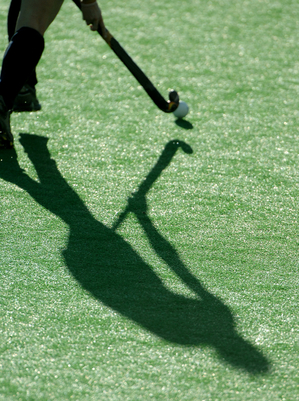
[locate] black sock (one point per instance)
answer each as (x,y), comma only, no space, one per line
(12,17)
(19,61)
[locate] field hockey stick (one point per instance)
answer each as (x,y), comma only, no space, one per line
(167,106)
(163,161)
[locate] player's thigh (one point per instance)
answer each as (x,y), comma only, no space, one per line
(38,14)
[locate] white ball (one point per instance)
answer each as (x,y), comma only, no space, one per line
(182,110)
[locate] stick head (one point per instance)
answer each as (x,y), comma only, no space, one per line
(176,143)
(174,101)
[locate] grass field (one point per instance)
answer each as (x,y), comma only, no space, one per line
(194,297)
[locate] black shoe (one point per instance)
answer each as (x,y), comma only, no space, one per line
(26,100)
(6,138)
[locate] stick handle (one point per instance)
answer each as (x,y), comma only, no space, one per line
(163,161)
(167,106)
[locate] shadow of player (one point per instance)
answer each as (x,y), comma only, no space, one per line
(108,267)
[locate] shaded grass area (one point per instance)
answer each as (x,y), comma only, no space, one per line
(195,295)
(104,264)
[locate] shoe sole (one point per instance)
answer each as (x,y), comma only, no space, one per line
(26,107)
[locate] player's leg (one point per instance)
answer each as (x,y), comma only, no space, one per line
(38,14)
(20,59)
(12,17)
(26,100)
(22,55)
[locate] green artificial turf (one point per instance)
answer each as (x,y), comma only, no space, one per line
(195,295)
